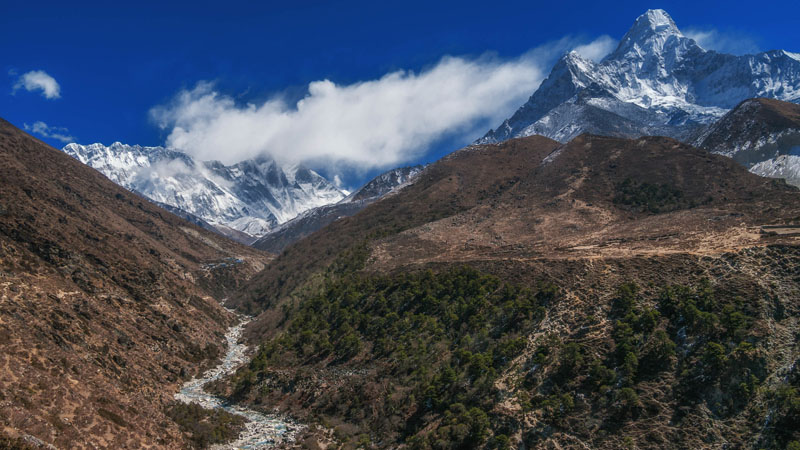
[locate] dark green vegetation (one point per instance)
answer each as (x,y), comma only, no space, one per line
(437,343)
(652,198)
(205,426)
(688,348)
(428,358)
(784,401)
(696,347)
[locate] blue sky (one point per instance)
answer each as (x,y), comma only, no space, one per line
(123,70)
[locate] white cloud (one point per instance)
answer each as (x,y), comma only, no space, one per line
(371,124)
(38,80)
(723,42)
(43,130)
(597,49)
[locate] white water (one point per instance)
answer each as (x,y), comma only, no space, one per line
(262,431)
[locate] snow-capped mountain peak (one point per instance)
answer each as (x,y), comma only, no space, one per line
(653,22)
(649,34)
(657,81)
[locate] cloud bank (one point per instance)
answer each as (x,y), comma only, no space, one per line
(370,124)
(38,80)
(723,42)
(42,129)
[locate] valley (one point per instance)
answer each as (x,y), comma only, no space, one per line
(616,265)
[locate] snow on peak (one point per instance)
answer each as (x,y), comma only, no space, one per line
(653,22)
(649,35)
(659,21)
(573,58)
(794,56)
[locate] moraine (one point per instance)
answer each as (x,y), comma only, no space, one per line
(261,431)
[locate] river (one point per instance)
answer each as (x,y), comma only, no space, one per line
(262,431)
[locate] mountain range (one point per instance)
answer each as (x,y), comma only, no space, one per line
(243,200)
(569,281)
(656,82)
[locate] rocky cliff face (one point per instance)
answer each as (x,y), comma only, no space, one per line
(761,134)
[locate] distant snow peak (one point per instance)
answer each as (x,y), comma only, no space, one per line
(312,220)
(251,196)
(385,183)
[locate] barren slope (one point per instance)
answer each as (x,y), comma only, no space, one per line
(106,303)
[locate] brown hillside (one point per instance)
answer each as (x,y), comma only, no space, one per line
(608,197)
(107,303)
(534,198)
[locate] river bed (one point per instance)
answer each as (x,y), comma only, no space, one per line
(262,431)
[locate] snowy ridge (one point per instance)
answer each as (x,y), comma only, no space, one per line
(761,134)
(756,144)
(657,81)
(384,183)
(252,196)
